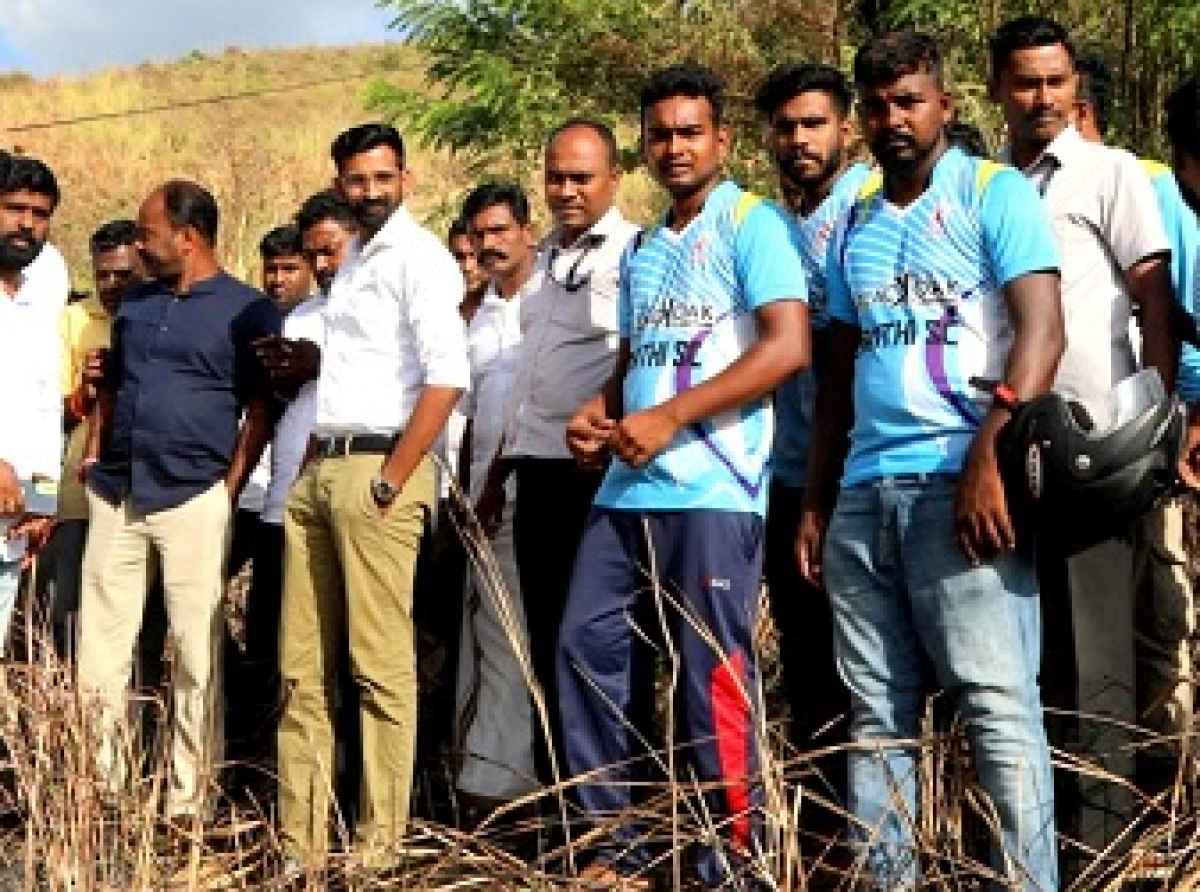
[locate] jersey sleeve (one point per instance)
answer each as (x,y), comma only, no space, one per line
(1183,234)
(767,251)
(1018,239)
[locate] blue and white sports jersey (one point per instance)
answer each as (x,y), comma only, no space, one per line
(687,308)
(1183,232)
(923,284)
(795,398)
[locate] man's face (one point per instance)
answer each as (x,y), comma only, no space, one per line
(24,225)
(683,146)
(474,277)
(504,244)
(115,271)
(160,245)
(581,179)
(287,279)
(326,246)
(904,121)
(1036,90)
(808,138)
(372,182)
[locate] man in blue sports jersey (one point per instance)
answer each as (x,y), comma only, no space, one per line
(807,110)
(712,318)
(945,277)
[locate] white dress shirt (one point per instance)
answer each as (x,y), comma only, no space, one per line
(392,329)
(31,437)
(569,325)
(305,322)
(494,344)
(1106,219)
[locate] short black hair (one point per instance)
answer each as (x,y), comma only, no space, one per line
(967,137)
(788,81)
(325,205)
(686,79)
(458,229)
(282,241)
(1024,33)
(363,138)
(190,204)
(489,195)
(602,130)
(891,56)
(1096,88)
(1183,117)
(24,174)
(112,235)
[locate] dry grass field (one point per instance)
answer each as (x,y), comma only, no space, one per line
(260,155)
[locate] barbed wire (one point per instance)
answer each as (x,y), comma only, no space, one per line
(187,103)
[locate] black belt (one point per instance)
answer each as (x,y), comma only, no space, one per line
(355,444)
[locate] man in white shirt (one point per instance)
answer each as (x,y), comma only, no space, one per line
(1115,256)
(31,301)
(494,716)
(393,365)
(569,330)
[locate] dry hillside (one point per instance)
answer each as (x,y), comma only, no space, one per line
(261,156)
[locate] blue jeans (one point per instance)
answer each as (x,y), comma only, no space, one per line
(10,582)
(904,598)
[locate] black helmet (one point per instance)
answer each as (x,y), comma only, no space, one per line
(1072,487)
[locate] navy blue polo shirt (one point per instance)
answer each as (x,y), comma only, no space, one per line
(183,369)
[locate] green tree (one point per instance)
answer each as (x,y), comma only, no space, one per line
(502,73)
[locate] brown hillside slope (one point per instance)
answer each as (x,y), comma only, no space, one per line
(260,156)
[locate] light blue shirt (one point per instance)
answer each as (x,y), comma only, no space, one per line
(795,398)
(687,304)
(924,285)
(1183,233)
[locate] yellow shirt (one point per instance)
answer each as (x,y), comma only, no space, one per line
(84,326)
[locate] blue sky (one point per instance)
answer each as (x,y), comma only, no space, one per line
(73,36)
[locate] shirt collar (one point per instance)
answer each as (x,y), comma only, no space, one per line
(205,286)
(608,224)
(391,233)
(1062,150)
(492,295)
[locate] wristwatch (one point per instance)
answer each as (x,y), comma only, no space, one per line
(383,492)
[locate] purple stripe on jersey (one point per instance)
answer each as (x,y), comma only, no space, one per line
(935,365)
(683,381)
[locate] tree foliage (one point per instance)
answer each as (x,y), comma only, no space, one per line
(502,73)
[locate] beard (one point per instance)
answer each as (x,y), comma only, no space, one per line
(372,213)
(802,178)
(14,255)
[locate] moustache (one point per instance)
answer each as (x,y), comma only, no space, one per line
(491,254)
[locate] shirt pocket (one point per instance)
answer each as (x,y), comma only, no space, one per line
(591,310)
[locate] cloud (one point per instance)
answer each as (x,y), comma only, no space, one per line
(70,36)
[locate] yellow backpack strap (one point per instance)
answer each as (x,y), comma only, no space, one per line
(1154,169)
(746,203)
(985,172)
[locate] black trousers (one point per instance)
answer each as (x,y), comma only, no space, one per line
(554,497)
(815,692)
(252,680)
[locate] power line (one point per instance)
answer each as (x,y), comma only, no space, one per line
(190,103)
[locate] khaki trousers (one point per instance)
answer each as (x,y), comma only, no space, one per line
(189,543)
(348,570)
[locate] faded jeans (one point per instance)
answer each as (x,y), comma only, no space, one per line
(905,598)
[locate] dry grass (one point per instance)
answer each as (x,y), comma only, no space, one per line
(260,156)
(65,832)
